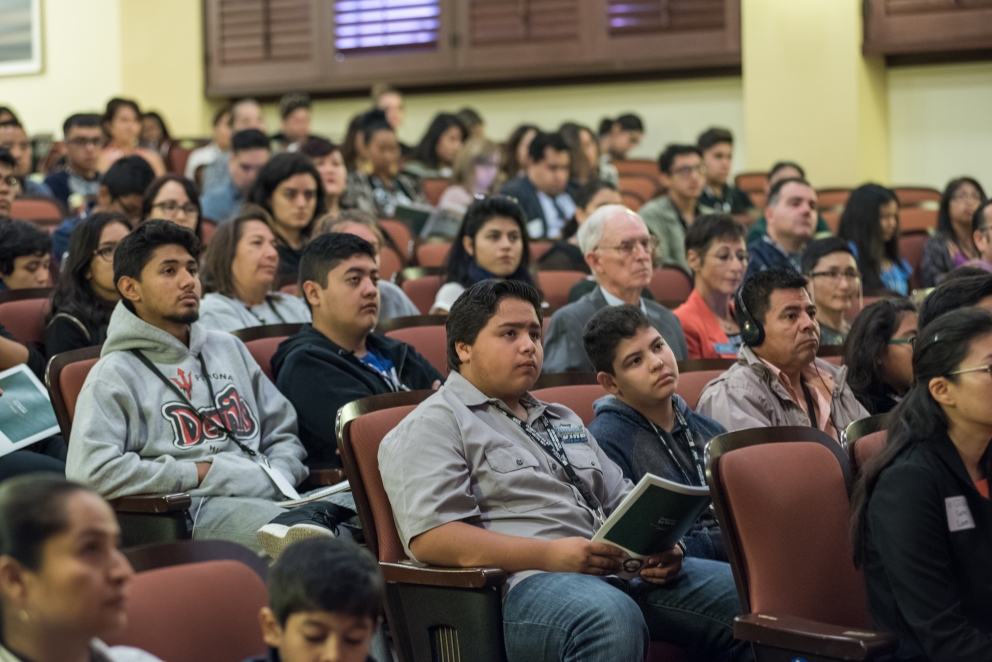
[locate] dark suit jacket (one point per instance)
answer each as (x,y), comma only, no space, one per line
(563,348)
(525,192)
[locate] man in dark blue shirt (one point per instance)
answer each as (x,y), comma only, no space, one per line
(791,214)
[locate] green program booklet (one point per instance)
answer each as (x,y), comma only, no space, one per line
(653,517)
(26,413)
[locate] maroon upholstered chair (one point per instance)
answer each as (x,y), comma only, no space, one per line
(23,312)
(556,284)
(426,333)
(421,284)
(263,341)
(671,282)
(866,439)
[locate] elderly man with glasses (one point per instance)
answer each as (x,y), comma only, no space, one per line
(620,251)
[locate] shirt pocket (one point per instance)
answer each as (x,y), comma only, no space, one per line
(521,483)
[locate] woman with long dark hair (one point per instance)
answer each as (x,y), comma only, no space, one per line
(436,153)
(922,519)
(953,244)
(515,150)
(492,243)
(86,294)
(584,149)
(870,224)
(291,190)
(879,353)
(379,187)
(173,198)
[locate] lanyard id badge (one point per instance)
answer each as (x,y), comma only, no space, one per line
(690,442)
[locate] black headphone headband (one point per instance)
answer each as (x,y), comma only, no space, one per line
(752,333)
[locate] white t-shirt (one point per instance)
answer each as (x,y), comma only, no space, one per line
(446,297)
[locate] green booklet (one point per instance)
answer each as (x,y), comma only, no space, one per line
(26,413)
(653,517)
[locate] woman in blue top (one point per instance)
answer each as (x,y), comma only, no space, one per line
(870,224)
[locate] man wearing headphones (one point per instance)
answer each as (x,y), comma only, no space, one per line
(777,379)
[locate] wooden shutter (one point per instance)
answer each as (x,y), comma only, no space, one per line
(900,27)
(378,27)
(626,17)
(520,21)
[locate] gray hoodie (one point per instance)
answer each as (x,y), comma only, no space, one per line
(133,435)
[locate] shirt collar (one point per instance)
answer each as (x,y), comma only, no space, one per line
(617,301)
(471,396)
(794,258)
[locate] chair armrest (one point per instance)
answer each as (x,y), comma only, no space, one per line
(325,477)
(401,573)
(814,638)
(152,503)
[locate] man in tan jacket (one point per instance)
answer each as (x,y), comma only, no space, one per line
(778,380)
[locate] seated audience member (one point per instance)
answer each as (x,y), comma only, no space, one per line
(15,139)
(717,256)
(249,152)
(353,144)
(25,254)
(879,354)
(643,426)
(121,125)
(777,379)
(565,254)
(438,149)
(475,172)
(154,134)
(716,146)
(7,114)
(291,190)
(541,191)
(516,151)
(870,224)
(174,407)
(475,126)
(447,467)
(9,184)
(584,156)
(393,301)
(220,133)
(389,101)
(791,214)
(239,270)
(78,176)
(922,519)
(957,292)
(379,187)
(953,244)
(245,114)
(491,243)
(86,293)
(669,216)
(981,225)
(337,359)
(63,578)
(616,138)
(122,189)
(781,170)
(295,114)
(834,286)
(619,250)
(325,603)
(329,162)
(173,198)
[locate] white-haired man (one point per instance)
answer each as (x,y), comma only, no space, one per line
(619,249)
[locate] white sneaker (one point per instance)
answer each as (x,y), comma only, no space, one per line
(274,538)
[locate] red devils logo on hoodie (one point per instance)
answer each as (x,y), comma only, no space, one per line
(229,411)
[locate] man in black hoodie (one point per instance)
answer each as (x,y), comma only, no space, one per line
(336,359)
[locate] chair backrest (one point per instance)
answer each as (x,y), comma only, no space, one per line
(832,198)
(432,254)
(65,376)
(399,233)
(423,289)
(434,188)
(855,309)
(42,211)
(670,282)
(538,249)
(917,219)
(865,438)
(179,552)
(644,186)
(914,196)
(556,284)
(691,384)
(23,314)
(361,427)
(831,216)
(577,397)
(751,182)
(430,341)
(782,498)
(208,228)
(263,341)
(648,167)
(632,200)
(196,611)
(911,248)
(390,263)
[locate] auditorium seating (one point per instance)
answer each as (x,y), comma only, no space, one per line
(425,333)
(263,341)
(432,253)
(917,196)
(781,496)
(911,249)
(632,200)
(44,211)
(917,219)
(400,234)
(865,439)
(643,167)
(670,282)
(433,188)
(644,186)
(23,313)
(390,263)
(554,285)
(421,284)
(179,552)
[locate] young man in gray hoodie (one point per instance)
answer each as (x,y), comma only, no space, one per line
(174,407)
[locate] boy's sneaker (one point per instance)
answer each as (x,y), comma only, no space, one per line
(274,538)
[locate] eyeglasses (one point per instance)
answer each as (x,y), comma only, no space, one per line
(11,181)
(171,207)
(834,274)
(981,368)
(627,248)
(904,341)
(685,171)
(84,142)
(106,252)
(965,196)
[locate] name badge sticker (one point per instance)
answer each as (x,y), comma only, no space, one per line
(572,434)
(958,514)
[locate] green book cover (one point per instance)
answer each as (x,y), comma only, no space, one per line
(26,413)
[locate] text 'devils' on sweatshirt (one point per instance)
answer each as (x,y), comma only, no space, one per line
(132,434)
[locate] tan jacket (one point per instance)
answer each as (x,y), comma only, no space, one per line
(749,395)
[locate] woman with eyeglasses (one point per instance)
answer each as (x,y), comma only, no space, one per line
(922,518)
(173,198)
(291,190)
(86,294)
(870,224)
(834,286)
(952,245)
(492,243)
(717,254)
(879,353)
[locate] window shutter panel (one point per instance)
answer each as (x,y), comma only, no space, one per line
(520,21)
(378,27)
(918,27)
(627,17)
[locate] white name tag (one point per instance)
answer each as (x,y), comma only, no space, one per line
(958,514)
(280,480)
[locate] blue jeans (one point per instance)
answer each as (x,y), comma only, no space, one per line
(572,618)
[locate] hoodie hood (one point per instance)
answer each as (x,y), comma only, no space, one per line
(611,404)
(127,331)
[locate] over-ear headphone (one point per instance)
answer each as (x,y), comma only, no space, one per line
(752,333)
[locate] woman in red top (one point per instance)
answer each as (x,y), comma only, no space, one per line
(717,255)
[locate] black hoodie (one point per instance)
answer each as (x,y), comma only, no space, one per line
(319,377)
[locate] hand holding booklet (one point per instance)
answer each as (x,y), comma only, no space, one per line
(26,413)
(652,518)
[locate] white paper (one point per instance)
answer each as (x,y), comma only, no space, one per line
(958,514)
(17,404)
